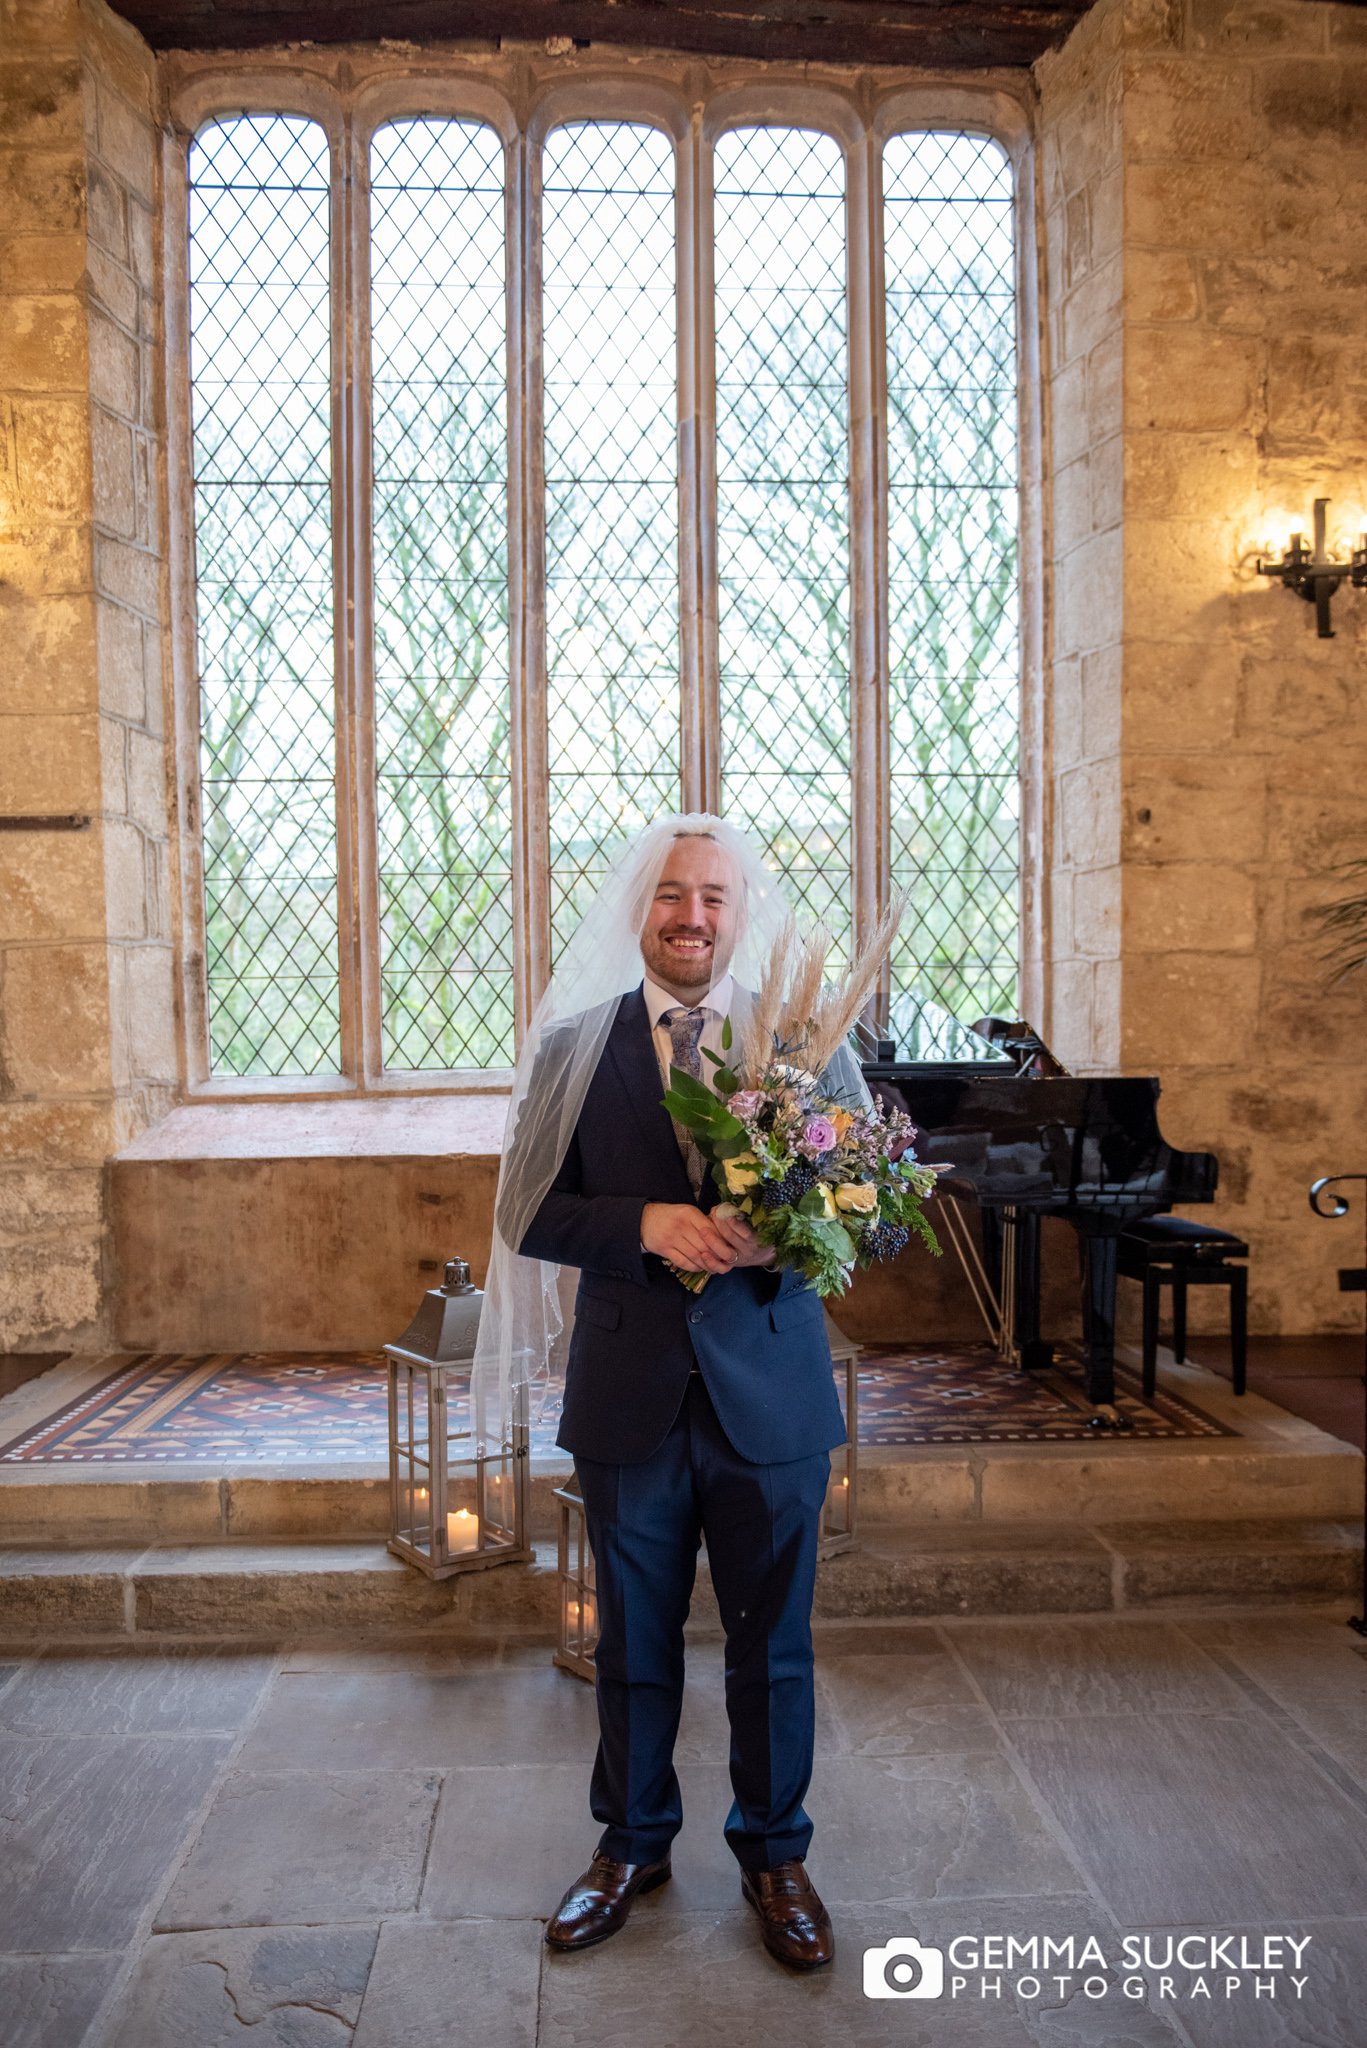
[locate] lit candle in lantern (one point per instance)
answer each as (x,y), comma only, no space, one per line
(462,1530)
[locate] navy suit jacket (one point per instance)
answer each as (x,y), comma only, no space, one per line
(758,1336)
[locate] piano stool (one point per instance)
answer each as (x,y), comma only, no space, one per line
(1174,1251)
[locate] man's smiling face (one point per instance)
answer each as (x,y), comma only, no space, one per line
(689,932)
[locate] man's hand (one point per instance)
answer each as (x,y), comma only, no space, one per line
(689,1239)
(742,1241)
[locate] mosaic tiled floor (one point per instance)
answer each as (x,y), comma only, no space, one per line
(319,1408)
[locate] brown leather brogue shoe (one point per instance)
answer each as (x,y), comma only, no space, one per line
(795,1925)
(598,1903)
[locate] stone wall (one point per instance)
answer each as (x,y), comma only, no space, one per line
(87,1054)
(1222,742)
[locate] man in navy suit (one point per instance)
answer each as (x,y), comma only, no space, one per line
(688,1416)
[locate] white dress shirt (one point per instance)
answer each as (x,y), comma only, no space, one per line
(714,1007)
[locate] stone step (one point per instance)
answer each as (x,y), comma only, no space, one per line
(911,1570)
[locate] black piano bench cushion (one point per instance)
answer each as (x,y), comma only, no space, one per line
(1176,1234)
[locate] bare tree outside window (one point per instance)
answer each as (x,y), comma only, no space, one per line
(586,734)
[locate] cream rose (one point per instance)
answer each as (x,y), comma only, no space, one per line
(860,1197)
(739,1177)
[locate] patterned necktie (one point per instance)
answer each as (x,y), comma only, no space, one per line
(685,1031)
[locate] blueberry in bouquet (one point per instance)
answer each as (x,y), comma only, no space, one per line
(822,1174)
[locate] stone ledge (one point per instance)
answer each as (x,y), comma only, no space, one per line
(435,1126)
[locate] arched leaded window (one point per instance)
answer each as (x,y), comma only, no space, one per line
(638,462)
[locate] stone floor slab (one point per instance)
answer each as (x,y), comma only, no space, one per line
(412,1720)
(900,1702)
(88,1830)
(1198,1817)
(49,2001)
(290,1848)
(280,1987)
(135,1691)
(891,1829)
(473,1981)
(1328,2013)
(1064,1667)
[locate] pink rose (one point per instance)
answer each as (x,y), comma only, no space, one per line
(745,1103)
(819,1134)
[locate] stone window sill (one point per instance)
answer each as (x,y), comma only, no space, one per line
(375,1127)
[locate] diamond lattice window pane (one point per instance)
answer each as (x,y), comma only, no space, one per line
(783,506)
(612,538)
(442,765)
(260,370)
(952,568)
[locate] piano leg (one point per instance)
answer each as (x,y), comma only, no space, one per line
(1032,1352)
(1099,1322)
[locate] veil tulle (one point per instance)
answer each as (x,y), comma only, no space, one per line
(521,1322)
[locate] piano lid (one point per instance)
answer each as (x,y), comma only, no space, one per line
(925,1034)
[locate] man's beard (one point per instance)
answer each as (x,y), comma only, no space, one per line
(685,970)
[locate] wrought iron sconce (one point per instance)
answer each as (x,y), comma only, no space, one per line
(1314,574)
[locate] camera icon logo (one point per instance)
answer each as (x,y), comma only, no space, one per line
(904,1969)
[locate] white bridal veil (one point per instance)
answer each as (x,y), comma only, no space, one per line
(521,1316)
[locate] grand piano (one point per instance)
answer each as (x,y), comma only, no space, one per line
(1027,1140)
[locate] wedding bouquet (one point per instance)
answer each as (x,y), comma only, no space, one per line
(828,1187)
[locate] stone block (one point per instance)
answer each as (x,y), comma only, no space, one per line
(1090,813)
(111,449)
(1257,26)
(147,783)
(41,263)
(1315,99)
(51,1593)
(1072,507)
(1088,594)
(50,762)
(1075,226)
(49,655)
(50,2001)
(1160,286)
(119,641)
(51,473)
(1096,912)
(43,190)
(1173,1003)
(37,1200)
(293,1986)
(51,886)
(42,343)
(1198,907)
(1180,694)
(1105,389)
(151,996)
(114,370)
(1106,482)
(1206,208)
(1184,573)
(1066,712)
(1190,476)
(1102,701)
(106,212)
(40,101)
(1297,697)
(1107,195)
(1069,410)
(125,880)
(31,24)
(1092,313)
(113,767)
(281,1848)
(112,286)
(1070,1029)
(128,143)
(1195,808)
(487,1970)
(94,1831)
(1314,395)
(129,575)
(56,1020)
(1190,381)
(142,245)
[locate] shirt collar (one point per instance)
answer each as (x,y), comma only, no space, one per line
(658,1000)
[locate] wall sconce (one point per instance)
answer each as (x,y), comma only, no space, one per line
(1314,574)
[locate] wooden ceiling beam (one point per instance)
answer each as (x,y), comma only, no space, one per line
(939,34)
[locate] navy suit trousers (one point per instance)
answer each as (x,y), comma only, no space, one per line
(646,1522)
